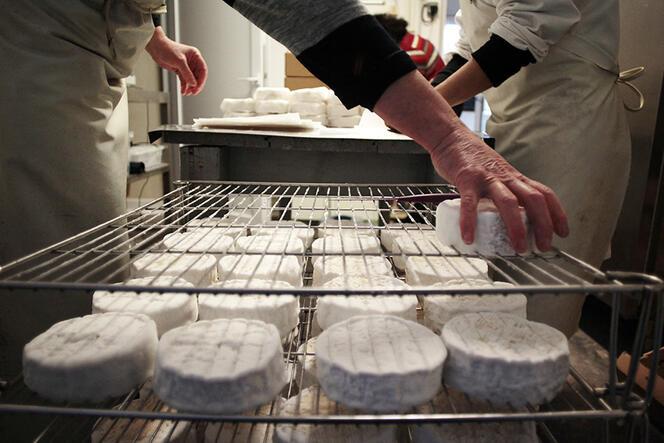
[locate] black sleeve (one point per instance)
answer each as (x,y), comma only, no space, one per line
(358,60)
(450,68)
(500,60)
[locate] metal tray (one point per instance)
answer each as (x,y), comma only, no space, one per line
(100,257)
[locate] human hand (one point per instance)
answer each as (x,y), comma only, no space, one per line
(478,171)
(185,61)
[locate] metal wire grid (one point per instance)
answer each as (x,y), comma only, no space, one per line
(96,258)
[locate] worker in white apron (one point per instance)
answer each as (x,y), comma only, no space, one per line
(64,134)
(559,119)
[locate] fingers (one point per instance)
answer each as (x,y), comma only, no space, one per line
(200,71)
(187,78)
(468,215)
(538,212)
(558,216)
(508,207)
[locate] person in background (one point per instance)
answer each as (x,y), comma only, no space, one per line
(420,50)
(549,71)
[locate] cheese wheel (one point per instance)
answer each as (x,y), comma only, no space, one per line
(91,358)
(379,363)
(285,229)
(313,401)
(339,110)
(405,247)
(280,310)
(305,108)
(210,241)
(392,231)
(345,245)
(269,93)
(319,118)
(225,226)
(275,245)
(220,366)
(330,267)
(491,237)
(230,114)
(505,359)
(245,105)
(343,122)
(426,271)
(347,228)
(168,310)
(439,309)
(263,267)
(333,309)
(306,364)
(264,107)
(198,269)
(311,95)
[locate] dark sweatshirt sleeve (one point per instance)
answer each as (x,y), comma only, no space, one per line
(339,42)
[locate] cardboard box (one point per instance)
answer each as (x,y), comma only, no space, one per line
(294,68)
(302,82)
(643,371)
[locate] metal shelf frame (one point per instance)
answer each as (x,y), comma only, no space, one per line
(99,258)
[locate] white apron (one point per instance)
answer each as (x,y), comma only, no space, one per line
(63,137)
(561,122)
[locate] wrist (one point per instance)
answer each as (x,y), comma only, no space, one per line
(157,40)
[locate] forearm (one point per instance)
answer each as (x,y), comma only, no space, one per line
(402,105)
(464,84)
(157,37)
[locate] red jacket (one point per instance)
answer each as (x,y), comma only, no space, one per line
(424,55)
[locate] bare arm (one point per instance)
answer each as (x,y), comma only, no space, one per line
(465,161)
(464,84)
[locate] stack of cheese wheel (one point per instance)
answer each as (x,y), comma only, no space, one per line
(338,116)
(272,100)
(238,107)
(310,103)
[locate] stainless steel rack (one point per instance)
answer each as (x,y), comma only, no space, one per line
(101,257)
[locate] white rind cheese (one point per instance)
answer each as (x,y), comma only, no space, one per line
(454,402)
(274,245)
(236,105)
(307,108)
(427,271)
(286,229)
(224,225)
(311,95)
(345,245)
(439,309)
(392,231)
(272,93)
(347,228)
(404,248)
(333,309)
(210,241)
(263,267)
(491,237)
(264,107)
(379,363)
(220,366)
(344,122)
(91,358)
(168,310)
(312,401)
(330,267)
(279,310)
(197,269)
(306,364)
(505,358)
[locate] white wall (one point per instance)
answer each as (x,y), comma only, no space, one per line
(224,38)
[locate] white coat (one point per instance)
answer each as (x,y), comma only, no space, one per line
(561,121)
(63,135)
